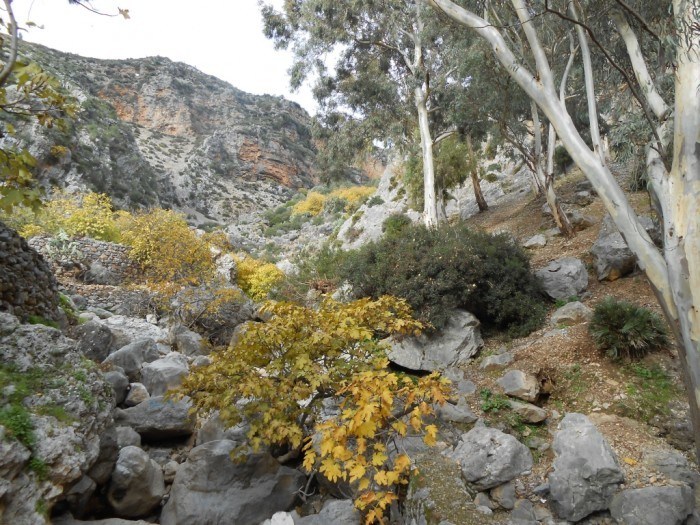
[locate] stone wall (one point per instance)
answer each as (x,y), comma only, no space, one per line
(27,284)
(116,266)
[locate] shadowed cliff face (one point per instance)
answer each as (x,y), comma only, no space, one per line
(155,132)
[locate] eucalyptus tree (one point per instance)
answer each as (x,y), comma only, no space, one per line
(672,159)
(387,69)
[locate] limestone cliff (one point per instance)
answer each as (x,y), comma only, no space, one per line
(153,131)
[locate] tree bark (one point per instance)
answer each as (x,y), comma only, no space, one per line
(430,209)
(590,88)
(480,201)
(560,218)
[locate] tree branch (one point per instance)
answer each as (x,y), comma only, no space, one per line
(7,68)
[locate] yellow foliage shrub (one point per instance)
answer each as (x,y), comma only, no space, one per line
(166,247)
(312,204)
(312,354)
(354,195)
(79,215)
(257,278)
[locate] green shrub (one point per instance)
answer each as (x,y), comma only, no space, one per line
(394,223)
(491,402)
(562,159)
(375,200)
(17,421)
(450,267)
(622,329)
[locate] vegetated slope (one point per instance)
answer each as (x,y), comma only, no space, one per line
(152,131)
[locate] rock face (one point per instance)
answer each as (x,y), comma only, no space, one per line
(613,259)
(137,484)
(455,344)
(27,286)
(148,124)
(68,404)
(586,472)
(210,489)
(489,458)
(653,506)
(564,278)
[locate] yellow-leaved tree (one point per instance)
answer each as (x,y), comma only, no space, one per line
(310,355)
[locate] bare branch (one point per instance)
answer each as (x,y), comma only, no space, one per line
(7,68)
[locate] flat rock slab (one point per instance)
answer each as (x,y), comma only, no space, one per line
(452,346)
(156,419)
(653,506)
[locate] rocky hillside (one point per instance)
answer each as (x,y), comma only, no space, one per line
(152,131)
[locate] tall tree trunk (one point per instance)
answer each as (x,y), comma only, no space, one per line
(675,275)
(480,201)
(590,88)
(560,218)
(430,210)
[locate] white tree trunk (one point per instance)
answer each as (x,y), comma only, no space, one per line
(430,210)
(682,221)
(675,275)
(590,87)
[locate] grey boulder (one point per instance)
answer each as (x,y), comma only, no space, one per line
(186,341)
(164,374)
(517,383)
(138,393)
(94,340)
(613,258)
(489,458)
(536,241)
(157,419)
(571,314)
(211,489)
(528,413)
(133,356)
(653,506)
(337,512)
(120,383)
(455,344)
(586,471)
(457,413)
(137,485)
(497,361)
(564,278)
(129,329)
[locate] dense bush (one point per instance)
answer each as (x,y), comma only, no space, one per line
(451,267)
(394,223)
(78,215)
(257,278)
(622,329)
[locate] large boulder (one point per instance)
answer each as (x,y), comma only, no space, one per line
(452,346)
(564,278)
(94,340)
(67,519)
(213,429)
(586,471)
(127,330)
(211,489)
(68,405)
(186,341)
(163,374)
(653,506)
(613,258)
(157,419)
(489,458)
(137,484)
(133,356)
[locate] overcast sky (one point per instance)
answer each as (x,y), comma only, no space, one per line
(219,37)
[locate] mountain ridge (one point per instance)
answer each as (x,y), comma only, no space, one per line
(152,131)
